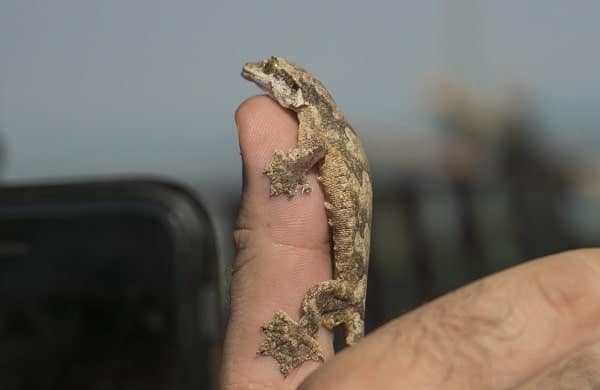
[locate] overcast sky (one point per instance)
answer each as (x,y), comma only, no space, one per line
(139,86)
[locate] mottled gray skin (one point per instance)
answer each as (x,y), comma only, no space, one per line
(327,141)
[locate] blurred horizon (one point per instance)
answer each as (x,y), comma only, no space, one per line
(151,87)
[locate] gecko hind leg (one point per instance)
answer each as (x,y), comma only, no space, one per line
(337,303)
(289,343)
(352,321)
(287,172)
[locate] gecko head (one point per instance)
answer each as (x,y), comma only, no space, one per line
(280,78)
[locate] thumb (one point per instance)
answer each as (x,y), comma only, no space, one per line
(282,250)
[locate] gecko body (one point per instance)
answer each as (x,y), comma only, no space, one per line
(325,141)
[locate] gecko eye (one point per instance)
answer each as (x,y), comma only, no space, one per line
(271,65)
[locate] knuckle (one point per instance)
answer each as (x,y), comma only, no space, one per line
(245,252)
(569,286)
(581,371)
(241,237)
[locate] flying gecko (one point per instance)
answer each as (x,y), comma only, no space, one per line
(325,141)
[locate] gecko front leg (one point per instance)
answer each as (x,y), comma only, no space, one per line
(287,172)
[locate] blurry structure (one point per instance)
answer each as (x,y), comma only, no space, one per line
(493,199)
(462,124)
(535,183)
(2,154)
(106,285)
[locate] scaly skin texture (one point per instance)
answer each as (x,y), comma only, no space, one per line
(327,141)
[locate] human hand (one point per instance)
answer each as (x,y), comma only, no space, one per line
(530,327)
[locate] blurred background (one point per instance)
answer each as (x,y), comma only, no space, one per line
(480,118)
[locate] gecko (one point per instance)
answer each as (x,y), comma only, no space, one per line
(328,143)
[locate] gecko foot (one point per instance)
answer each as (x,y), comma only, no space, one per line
(285,174)
(288,343)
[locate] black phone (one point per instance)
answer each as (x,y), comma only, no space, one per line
(108,284)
